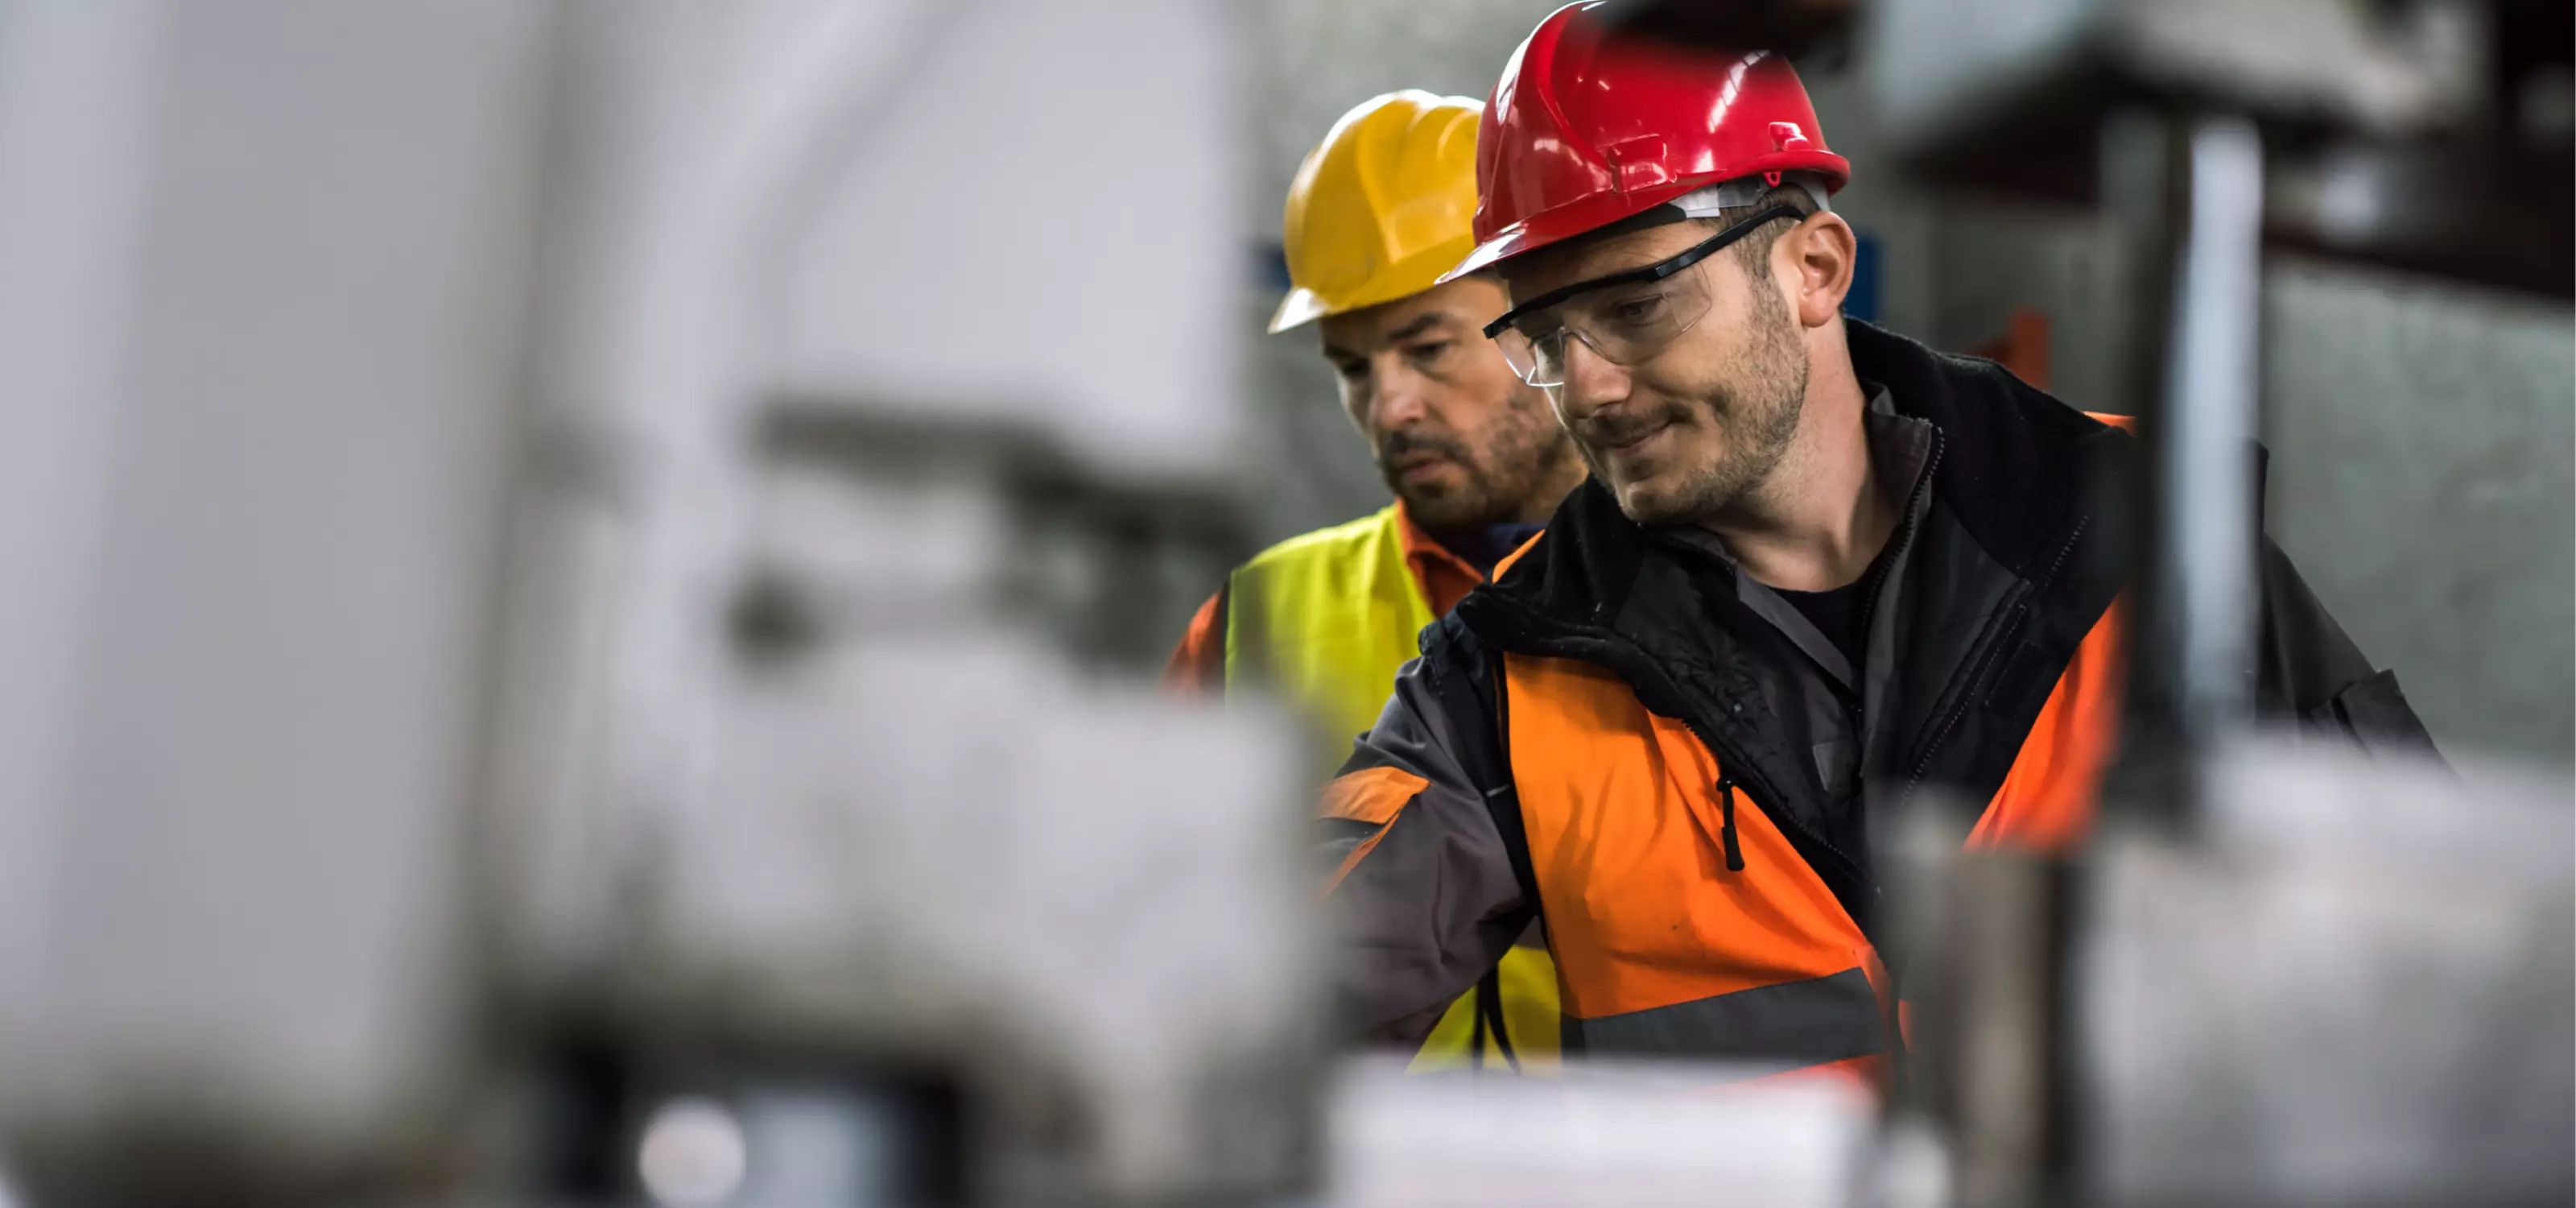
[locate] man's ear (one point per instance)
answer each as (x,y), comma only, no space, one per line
(1820,251)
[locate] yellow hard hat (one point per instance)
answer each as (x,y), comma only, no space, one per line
(1383,207)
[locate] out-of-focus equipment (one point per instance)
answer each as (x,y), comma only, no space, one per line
(1636,1134)
(554,660)
(2432,135)
(2280,975)
(1585,129)
(1382,207)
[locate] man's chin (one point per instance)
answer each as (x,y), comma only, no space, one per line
(1445,510)
(1649,502)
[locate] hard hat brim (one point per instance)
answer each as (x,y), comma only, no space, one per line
(1301,307)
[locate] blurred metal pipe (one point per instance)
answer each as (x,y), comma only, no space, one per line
(2209,421)
(2187,192)
(2005,1070)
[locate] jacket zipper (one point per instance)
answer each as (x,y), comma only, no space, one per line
(1989,653)
(1647,670)
(1726,756)
(1725,783)
(1728,782)
(1726,830)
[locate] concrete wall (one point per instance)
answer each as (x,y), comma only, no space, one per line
(2422,439)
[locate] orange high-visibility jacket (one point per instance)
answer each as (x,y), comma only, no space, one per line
(1598,738)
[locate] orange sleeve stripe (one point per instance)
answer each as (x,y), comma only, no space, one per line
(1371,795)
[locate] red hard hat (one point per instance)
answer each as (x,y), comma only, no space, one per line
(1588,126)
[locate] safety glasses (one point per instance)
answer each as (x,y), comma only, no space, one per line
(1625,317)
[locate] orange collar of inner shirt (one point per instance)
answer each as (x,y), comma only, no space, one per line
(1445,577)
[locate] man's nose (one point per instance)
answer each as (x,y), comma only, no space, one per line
(1403,395)
(1591,380)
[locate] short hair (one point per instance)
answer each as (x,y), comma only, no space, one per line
(1754,249)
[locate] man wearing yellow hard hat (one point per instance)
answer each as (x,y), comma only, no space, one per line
(1474,457)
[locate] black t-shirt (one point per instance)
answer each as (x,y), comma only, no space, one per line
(1841,614)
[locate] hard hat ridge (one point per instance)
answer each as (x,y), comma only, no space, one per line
(1589,126)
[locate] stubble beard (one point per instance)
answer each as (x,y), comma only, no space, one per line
(1524,449)
(1755,416)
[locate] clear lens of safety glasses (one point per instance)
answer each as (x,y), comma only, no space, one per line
(1622,324)
(1625,317)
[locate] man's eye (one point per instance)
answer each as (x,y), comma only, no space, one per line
(1350,370)
(1634,311)
(1431,350)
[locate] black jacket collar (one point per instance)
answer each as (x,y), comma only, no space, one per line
(2021,471)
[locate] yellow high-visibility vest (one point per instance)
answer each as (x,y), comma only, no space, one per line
(1326,619)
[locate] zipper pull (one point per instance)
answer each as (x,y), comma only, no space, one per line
(1726,827)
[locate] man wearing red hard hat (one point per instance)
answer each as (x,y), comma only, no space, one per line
(1817,568)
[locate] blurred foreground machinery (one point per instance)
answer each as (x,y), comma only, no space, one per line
(582,593)
(2280,974)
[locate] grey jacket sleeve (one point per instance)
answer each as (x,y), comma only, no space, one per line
(1423,883)
(2312,674)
